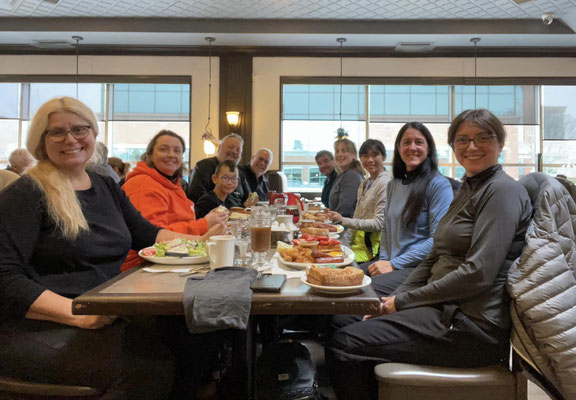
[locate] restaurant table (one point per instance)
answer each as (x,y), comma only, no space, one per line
(137,292)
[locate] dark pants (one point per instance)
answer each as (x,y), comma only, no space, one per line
(124,360)
(441,336)
(200,357)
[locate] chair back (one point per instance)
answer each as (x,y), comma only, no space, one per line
(542,285)
(277,180)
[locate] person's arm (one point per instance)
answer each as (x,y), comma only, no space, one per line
(348,184)
(50,306)
(377,194)
(440,195)
(154,206)
(499,213)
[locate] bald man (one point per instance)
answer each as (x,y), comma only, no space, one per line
(254,173)
(201,177)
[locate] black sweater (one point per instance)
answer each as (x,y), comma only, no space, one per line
(34,256)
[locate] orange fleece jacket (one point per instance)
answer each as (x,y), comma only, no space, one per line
(161,202)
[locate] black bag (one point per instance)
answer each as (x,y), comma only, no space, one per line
(285,371)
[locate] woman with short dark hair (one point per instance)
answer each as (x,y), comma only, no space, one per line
(363,233)
(452,311)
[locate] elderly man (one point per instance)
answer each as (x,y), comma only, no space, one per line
(327,166)
(254,173)
(201,177)
(19,161)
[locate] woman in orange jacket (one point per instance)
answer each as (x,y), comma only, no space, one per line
(154,189)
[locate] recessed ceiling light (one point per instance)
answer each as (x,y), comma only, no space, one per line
(52,44)
(415,47)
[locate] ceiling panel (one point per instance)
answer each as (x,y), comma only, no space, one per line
(289,9)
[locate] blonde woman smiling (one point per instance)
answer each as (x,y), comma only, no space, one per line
(63,231)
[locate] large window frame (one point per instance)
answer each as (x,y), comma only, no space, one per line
(537,164)
(25,82)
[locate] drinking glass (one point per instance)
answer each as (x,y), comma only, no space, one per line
(241,231)
(260,236)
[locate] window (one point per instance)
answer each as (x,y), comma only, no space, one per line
(129,114)
(311,115)
(559,130)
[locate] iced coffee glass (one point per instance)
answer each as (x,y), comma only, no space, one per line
(260,236)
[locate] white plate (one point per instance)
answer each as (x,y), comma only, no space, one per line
(174,260)
(347,261)
(339,228)
(158,269)
(337,289)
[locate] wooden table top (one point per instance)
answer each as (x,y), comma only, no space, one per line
(138,292)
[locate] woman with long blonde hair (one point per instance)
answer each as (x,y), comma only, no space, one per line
(63,231)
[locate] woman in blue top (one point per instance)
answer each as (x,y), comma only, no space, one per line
(417,198)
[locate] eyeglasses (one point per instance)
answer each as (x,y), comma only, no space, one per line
(57,135)
(481,140)
(232,179)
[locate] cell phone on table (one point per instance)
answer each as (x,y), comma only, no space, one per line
(269,283)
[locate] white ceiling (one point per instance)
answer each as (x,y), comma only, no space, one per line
(227,13)
(289,9)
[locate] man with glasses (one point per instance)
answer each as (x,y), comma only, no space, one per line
(254,173)
(225,180)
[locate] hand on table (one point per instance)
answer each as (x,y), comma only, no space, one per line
(217,229)
(387,306)
(335,216)
(93,321)
(216,217)
(380,267)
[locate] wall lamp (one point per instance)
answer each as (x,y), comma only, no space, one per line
(233,118)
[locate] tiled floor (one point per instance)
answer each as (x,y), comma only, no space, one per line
(317,351)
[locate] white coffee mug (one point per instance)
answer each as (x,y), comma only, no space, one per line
(220,250)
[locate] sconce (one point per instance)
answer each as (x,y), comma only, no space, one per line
(210,143)
(233,118)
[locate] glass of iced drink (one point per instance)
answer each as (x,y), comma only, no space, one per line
(260,236)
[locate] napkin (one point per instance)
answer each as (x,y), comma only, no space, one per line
(220,300)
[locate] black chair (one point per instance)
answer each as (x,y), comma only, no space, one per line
(12,388)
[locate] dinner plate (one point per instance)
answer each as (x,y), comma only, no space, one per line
(174,260)
(347,261)
(337,289)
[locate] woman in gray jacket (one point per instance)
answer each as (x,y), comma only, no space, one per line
(452,311)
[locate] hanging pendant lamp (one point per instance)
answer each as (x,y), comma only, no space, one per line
(341,133)
(210,142)
(77,46)
(475,40)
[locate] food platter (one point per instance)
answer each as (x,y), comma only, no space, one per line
(347,261)
(337,289)
(173,260)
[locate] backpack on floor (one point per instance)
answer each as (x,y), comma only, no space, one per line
(285,371)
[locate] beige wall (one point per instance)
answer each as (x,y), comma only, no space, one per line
(196,67)
(267,73)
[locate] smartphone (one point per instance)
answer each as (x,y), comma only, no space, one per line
(269,283)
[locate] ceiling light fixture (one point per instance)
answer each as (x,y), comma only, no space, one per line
(77,39)
(475,40)
(210,142)
(341,133)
